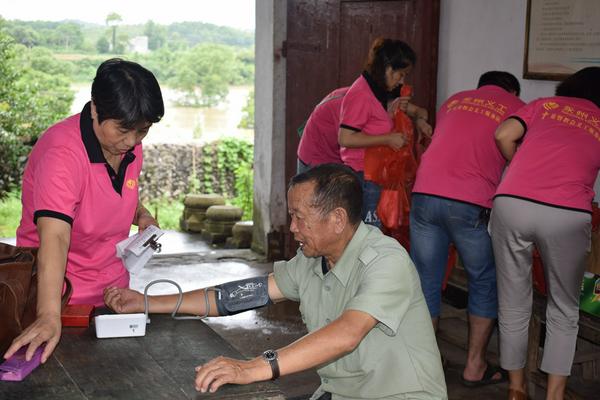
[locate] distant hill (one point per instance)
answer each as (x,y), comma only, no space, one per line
(77,35)
(201,32)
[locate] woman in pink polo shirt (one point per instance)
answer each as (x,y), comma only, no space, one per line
(366,116)
(319,141)
(545,198)
(80,195)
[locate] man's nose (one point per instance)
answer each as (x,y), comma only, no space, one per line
(293,227)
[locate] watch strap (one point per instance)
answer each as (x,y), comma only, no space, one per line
(271,357)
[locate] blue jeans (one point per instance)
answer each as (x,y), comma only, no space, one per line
(435,223)
(301,167)
(371,194)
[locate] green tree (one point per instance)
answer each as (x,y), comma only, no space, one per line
(208,68)
(42,59)
(69,36)
(247,121)
(25,35)
(244,66)
(103,45)
(41,96)
(122,42)
(112,20)
(10,147)
(30,100)
(157,35)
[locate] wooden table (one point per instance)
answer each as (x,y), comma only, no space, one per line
(159,365)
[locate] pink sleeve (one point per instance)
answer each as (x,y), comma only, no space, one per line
(526,113)
(355,111)
(58,184)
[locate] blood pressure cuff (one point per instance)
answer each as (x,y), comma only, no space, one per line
(246,294)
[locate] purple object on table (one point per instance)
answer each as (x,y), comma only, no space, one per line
(16,368)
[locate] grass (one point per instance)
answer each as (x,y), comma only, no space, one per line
(10,214)
(168,211)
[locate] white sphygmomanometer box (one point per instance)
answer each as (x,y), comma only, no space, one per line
(120,325)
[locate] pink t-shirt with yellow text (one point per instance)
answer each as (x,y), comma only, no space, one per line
(66,178)
(462,162)
(559,158)
(362,111)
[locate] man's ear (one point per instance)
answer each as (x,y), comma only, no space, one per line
(340,218)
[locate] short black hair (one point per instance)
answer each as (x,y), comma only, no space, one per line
(127,92)
(584,84)
(503,79)
(388,53)
(335,186)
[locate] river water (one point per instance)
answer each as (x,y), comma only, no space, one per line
(189,124)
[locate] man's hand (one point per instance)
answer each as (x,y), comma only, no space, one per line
(123,300)
(45,329)
(423,127)
(396,140)
(222,370)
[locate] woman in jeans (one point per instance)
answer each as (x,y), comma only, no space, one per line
(366,119)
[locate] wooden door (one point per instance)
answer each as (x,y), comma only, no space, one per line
(327,44)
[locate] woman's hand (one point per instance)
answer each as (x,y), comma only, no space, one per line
(396,140)
(423,127)
(145,220)
(123,300)
(399,103)
(55,236)
(45,329)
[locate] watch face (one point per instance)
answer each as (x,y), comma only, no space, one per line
(270,355)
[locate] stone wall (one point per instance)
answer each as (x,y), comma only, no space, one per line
(173,170)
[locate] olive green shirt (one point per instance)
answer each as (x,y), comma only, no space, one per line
(399,357)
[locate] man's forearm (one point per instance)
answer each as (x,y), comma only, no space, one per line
(329,343)
(193,303)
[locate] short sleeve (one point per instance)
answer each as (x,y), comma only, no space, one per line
(287,283)
(527,113)
(58,185)
(354,113)
(386,291)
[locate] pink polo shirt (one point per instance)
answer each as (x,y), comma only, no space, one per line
(559,158)
(462,162)
(319,142)
(362,111)
(66,178)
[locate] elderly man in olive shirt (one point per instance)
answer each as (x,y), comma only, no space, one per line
(370,335)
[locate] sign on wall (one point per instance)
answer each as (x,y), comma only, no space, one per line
(562,37)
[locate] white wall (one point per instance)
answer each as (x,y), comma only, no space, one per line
(482,35)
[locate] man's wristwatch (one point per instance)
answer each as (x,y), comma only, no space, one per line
(270,356)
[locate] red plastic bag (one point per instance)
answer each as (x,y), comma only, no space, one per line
(394,171)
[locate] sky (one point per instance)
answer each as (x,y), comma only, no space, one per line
(234,13)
